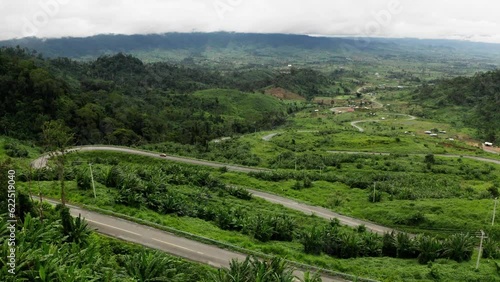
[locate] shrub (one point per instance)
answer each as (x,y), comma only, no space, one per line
(307,182)
(459,247)
(15,151)
(405,246)
(429,159)
(428,248)
(494,191)
(389,245)
(239,192)
(312,240)
(490,249)
(297,185)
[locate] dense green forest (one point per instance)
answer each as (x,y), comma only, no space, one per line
(120,100)
(477,97)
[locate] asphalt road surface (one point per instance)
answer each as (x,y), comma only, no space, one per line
(289,203)
(42,161)
(163,241)
(321,212)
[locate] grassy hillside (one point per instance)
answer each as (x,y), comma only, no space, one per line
(233,103)
(473,101)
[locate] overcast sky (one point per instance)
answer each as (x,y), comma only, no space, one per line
(477,20)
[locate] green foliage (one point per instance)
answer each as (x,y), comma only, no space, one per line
(255,270)
(15,151)
(62,249)
(494,191)
(238,192)
(491,249)
(459,247)
(120,100)
(262,228)
(389,245)
(147,266)
(429,249)
(374,196)
(478,96)
(308,83)
(429,159)
(312,240)
(83,179)
(405,246)
(75,230)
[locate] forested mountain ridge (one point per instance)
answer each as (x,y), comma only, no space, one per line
(477,96)
(120,100)
(98,45)
(247,50)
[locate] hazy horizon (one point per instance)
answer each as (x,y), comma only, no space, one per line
(441,19)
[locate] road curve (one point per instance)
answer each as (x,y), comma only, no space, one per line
(359,128)
(42,161)
(292,204)
(308,209)
(354,123)
(270,136)
(163,241)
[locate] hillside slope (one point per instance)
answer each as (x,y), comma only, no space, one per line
(477,99)
(120,100)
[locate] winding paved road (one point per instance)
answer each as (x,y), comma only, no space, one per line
(289,203)
(42,161)
(354,123)
(164,241)
(292,204)
(194,250)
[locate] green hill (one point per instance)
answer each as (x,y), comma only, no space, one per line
(240,105)
(473,101)
(121,100)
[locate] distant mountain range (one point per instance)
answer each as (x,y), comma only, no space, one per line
(256,47)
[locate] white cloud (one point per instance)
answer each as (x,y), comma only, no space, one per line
(473,20)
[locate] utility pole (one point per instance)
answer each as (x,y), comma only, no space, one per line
(92,177)
(494,211)
(295,152)
(480,249)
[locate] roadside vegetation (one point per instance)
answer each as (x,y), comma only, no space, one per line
(363,135)
(194,200)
